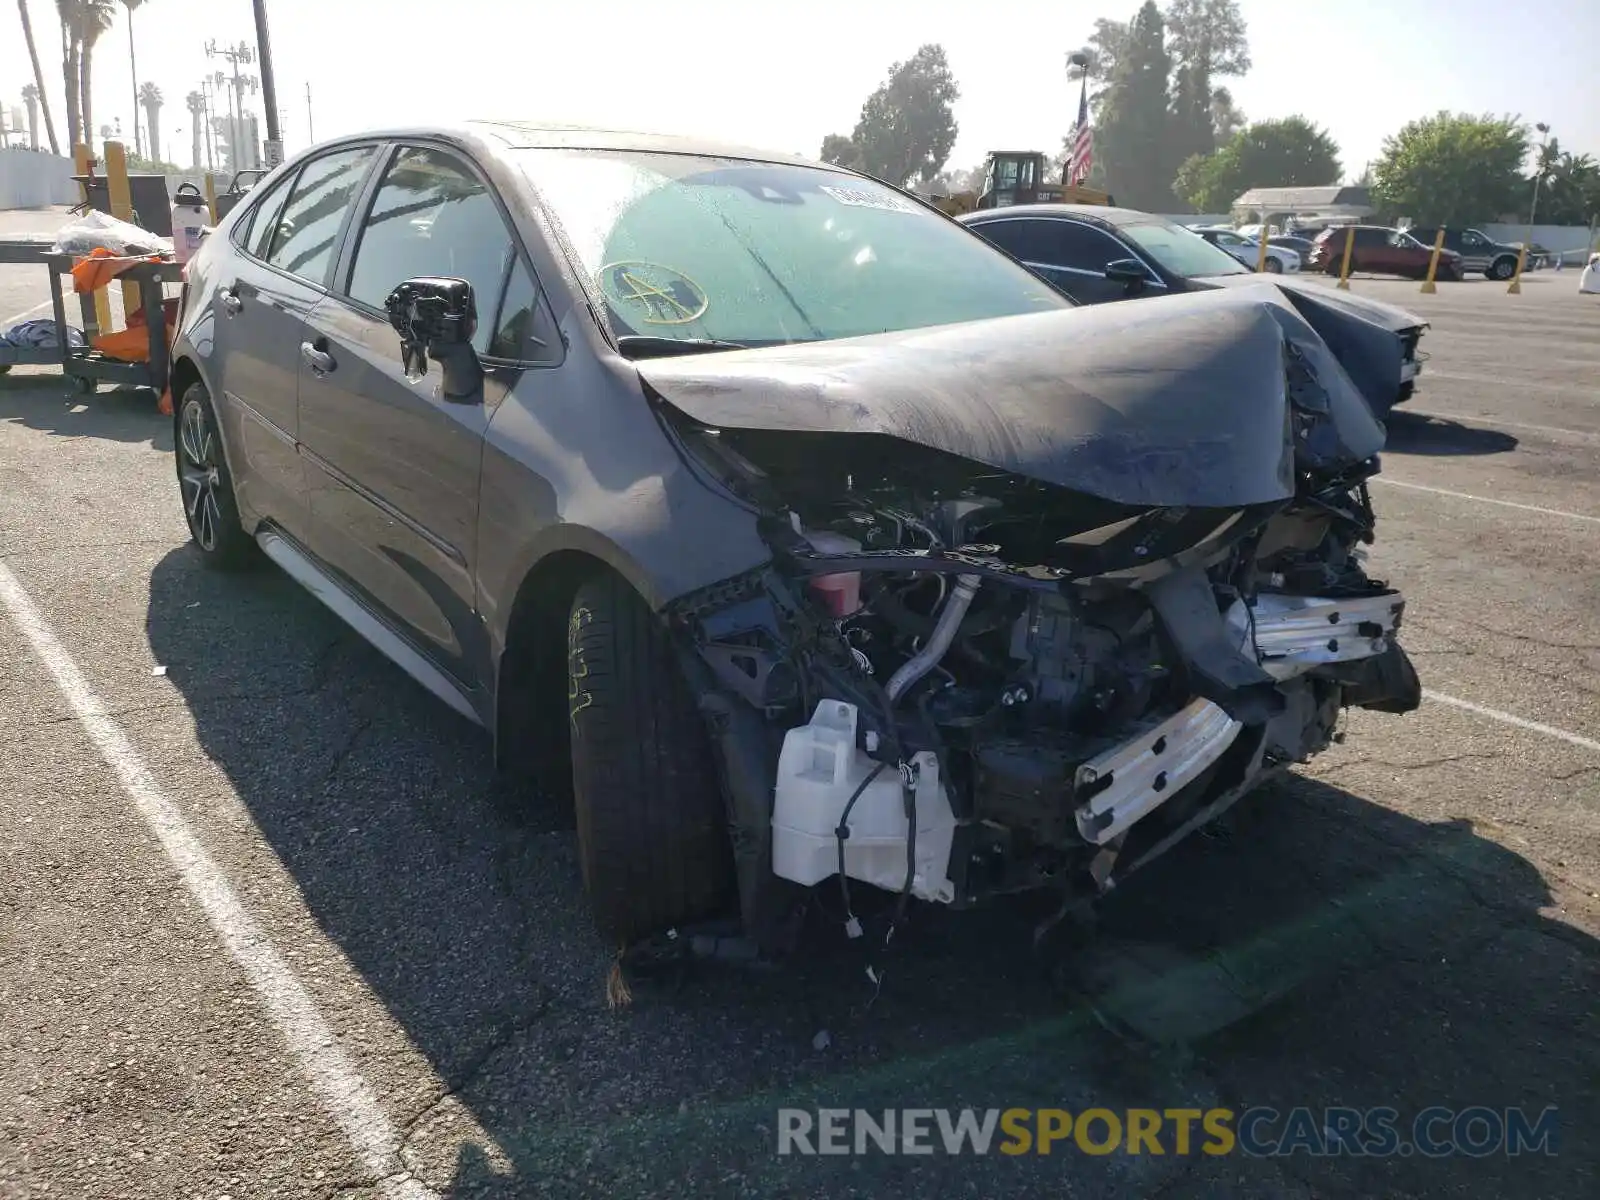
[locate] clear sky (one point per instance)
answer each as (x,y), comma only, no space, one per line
(784,76)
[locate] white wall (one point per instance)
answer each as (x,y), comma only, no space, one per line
(1571,241)
(32,180)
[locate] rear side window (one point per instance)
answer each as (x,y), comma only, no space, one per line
(433,216)
(1029,241)
(255,231)
(307,232)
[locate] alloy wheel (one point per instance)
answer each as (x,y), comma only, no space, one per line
(200,474)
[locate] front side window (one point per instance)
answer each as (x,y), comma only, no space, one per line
(690,247)
(1088,249)
(1182,251)
(307,233)
(432,216)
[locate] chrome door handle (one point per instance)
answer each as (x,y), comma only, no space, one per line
(231,304)
(318,360)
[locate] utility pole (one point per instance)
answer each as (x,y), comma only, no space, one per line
(236,55)
(269,87)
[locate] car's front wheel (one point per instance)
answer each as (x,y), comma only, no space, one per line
(1274,267)
(207,487)
(1502,268)
(652,834)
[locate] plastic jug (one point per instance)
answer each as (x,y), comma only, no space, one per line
(189,219)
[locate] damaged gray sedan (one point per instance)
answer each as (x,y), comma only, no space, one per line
(803,538)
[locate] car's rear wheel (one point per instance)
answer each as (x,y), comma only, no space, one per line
(1274,267)
(652,833)
(1502,268)
(207,487)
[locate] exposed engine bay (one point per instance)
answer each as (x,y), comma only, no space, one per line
(955,680)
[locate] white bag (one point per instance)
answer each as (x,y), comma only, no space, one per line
(1589,281)
(95,230)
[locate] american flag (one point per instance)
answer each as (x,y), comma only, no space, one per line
(1082,141)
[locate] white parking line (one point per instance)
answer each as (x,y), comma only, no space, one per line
(344,1094)
(1496,422)
(1494,714)
(8,322)
(1533,508)
(1513,384)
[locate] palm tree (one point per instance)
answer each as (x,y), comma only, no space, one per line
(150,99)
(196,103)
(133,69)
(82,23)
(42,96)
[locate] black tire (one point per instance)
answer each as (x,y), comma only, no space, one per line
(652,833)
(1502,268)
(206,486)
(1274,267)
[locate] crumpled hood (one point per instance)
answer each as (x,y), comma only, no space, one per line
(1177,401)
(1364,334)
(1306,296)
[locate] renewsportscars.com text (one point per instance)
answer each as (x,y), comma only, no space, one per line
(1260,1132)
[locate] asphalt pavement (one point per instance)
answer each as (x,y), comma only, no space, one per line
(269,925)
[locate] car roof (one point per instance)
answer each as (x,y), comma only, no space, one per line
(1094,212)
(516,135)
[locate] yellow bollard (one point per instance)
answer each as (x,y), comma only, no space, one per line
(1515,289)
(1261,258)
(1433,263)
(211,196)
(1344,268)
(102,302)
(122,209)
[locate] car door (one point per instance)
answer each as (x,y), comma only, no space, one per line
(1371,252)
(1476,251)
(284,248)
(1068,254)
(392,467)
(1234,245)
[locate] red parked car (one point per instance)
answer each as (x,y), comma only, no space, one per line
(1380,251)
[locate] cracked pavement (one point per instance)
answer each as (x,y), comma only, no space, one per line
(1408,921)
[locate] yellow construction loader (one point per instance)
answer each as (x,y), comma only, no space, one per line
(1018,177)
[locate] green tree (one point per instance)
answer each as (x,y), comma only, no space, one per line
(151,100)
(907,126)
(1453,169)
(1227,118)
(1207,39)
(841,152)
(1291,152)
(133,71)
(82,24)
(1133,140)
(41,94)
(1569,188)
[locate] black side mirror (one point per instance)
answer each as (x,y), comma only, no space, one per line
(437,317)
(1127,271)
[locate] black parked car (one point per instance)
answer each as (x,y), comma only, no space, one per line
(1096,254)
(800,536)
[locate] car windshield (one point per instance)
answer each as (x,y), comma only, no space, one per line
(707,251)
(1181,251)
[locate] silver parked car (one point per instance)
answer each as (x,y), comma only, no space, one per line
(802,536)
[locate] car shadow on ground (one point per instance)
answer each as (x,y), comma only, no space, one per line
(52,405)
(1315,948)
(1412,433)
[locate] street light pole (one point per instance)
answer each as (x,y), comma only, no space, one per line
(269,87)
